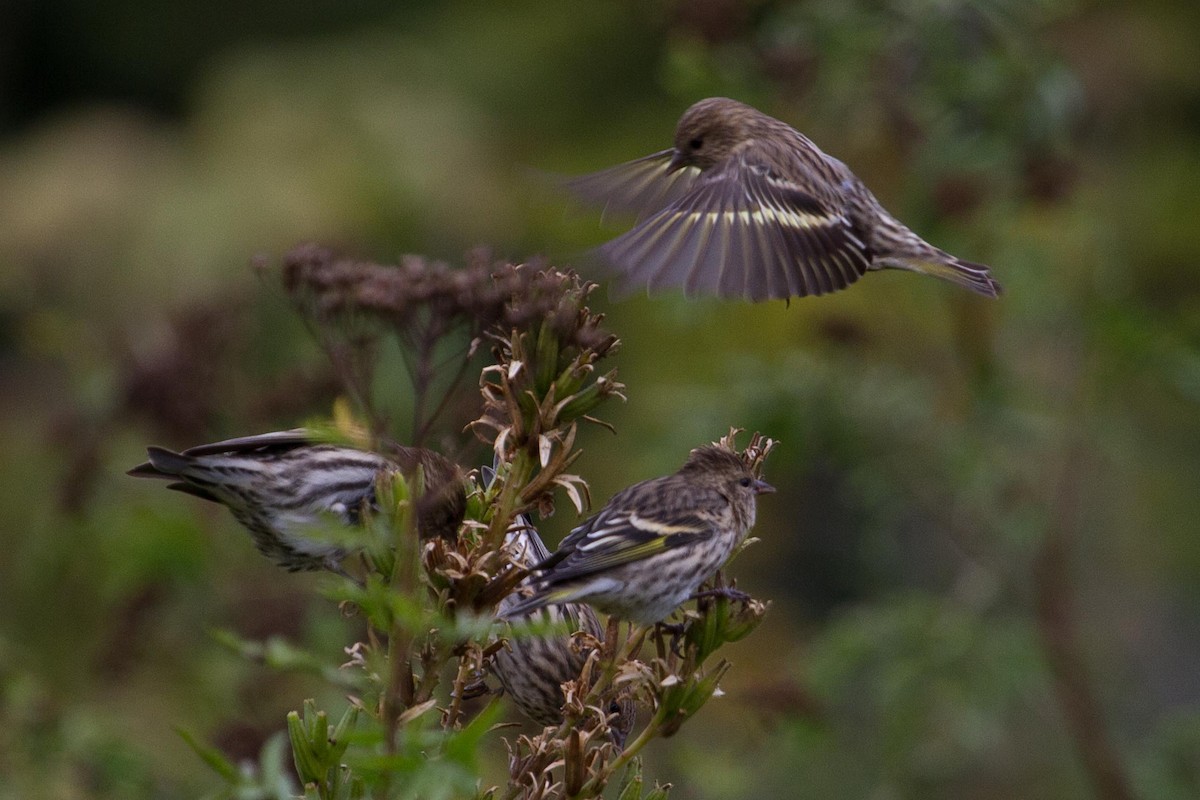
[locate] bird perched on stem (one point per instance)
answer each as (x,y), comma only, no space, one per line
(746,206)
(653,543)
(532,669)
(282,486)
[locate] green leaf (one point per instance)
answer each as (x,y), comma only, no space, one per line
(270,768)
(680,699)
(215,759)
(631,781)
(547,357)
(308,766)
(341,734)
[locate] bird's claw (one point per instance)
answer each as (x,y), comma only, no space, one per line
(726,592)
(476,688)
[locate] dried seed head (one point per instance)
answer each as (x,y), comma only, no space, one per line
(418,292)
(755,453)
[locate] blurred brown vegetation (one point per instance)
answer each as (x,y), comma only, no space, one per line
(983,554)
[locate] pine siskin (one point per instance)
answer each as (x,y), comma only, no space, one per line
(745,206)
(533,669)
(282,485)
(655,542)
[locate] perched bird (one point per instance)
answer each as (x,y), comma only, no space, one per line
(745,206)
(654,543)
(532,669)
(282,486)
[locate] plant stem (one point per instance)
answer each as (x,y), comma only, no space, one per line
(1056,629)
(399,693)
(422,432)
(629,753)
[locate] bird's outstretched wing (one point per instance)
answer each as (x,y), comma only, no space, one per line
(742,231)
(641,187)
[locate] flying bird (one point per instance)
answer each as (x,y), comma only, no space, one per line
(745,206)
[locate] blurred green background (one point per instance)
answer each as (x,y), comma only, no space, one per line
(983,558)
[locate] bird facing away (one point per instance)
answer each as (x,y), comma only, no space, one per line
(284,486)
(533,669)
(654,543)
(745,206)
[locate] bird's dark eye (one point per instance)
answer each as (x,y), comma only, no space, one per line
(745,482)
(696,143)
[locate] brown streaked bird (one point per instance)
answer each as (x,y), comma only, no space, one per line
(283,486)
(745,206)
(650,547)
(532,669)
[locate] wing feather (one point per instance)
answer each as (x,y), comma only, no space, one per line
(278,440)
(625,539)
(642,186)
(741,230)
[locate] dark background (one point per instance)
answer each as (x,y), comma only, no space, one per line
(983,558)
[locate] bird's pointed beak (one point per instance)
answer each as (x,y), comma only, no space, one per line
(762,487)
(676,163)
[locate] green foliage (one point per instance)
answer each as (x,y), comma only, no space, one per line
(266,780)
(929,438)
(318,748)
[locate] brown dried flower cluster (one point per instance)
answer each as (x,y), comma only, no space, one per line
(481,295)
(754,454)
(439,315)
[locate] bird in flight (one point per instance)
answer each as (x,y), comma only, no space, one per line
(744,206)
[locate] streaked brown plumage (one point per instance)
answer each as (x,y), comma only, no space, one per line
(283,485)
(532,669)
(653,543)
(746,206)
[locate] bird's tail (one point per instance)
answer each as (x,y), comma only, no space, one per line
(163,463)
(170,465)
(541,598)
(897,247)
(521,608)
(940,264)
(229,469)
(210,475)
(967,274)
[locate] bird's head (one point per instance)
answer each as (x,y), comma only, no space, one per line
(709,131)
(727,470)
